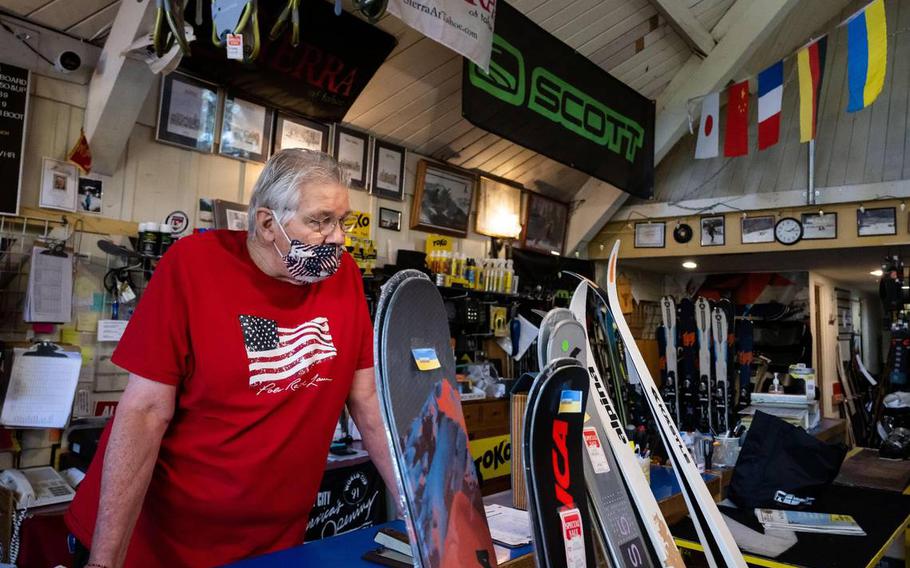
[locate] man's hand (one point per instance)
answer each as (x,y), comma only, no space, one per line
(364,407)
(143,414)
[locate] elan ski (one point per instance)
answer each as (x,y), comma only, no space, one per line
(703,323)
(721,394)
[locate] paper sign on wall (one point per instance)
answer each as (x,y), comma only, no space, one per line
(111,330)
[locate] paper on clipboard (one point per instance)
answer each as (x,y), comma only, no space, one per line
(50,288)
(41,390)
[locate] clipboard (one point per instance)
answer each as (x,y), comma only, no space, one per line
(40,386)
(45,349)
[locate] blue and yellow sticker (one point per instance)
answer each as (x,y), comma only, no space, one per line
(426,358)
(570,402)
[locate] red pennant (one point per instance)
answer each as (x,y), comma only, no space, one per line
(81,154)
(736,139)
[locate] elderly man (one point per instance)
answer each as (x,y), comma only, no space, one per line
(241,354)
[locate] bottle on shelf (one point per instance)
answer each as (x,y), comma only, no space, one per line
(148,239)
(507,282)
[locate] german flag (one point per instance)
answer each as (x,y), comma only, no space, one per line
(811,64)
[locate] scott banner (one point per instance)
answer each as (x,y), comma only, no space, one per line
(543,95)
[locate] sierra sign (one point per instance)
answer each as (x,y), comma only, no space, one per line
(541,94)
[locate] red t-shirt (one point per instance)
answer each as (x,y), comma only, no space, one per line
(262,368)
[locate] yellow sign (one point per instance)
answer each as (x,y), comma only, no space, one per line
(362,227)
(439,243)
(492,456)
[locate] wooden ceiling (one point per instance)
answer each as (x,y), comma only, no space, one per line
(415,97)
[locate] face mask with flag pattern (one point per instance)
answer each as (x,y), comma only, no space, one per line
(309,264)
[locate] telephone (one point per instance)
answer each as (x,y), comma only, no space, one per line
(36,486)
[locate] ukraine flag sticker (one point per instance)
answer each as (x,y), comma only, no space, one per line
(570,402)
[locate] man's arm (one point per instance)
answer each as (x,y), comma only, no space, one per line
(364,407)
(143,414)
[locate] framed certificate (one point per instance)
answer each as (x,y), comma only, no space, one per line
(245,130)
(294,132)
(186,112)
(351,149)
(388,171)
(650,235)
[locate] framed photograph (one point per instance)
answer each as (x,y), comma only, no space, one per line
(59,185)
(350,148)
(246,129)
(90,192)
(545,224)
(442,199)
(757,229)
(295,132)
(389,219)
(712,231)
(878,221)
(498,208)
(231,216)
(650,235)
(388,170)
(186,112)
(817,226)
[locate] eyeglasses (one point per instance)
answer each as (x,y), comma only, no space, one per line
(326,227)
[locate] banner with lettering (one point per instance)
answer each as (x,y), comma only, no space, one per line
(465,26)
(542,94)
(13,107)
(492,456)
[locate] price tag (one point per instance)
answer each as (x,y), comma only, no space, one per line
(573,536)
(235,46)
(596,451)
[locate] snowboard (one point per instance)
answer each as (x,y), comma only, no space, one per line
(719,547)
(421,409)
(623,507)
(557,502)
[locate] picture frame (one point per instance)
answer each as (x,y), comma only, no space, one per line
(230,215)
(819,227)
(876,221)
(712,231)
(757,229)
(652,234)
(90,194)
(59,185)
(351,148)
(442,199)
(498,208)
(387,170)
(389,219)
(246,129)
(187,109)
(545,224)
(298,132)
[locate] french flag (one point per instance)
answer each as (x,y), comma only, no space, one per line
(770,94)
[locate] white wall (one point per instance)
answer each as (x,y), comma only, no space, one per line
(154,179)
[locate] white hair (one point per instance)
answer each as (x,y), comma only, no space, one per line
(285,175)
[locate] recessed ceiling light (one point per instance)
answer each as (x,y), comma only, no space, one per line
(877,272)
(690,265)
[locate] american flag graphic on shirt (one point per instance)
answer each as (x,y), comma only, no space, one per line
(281,353)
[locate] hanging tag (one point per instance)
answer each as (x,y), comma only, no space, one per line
(574,538)
(235,46)
(596,451)
(426,359)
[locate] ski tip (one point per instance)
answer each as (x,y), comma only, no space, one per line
(614,255)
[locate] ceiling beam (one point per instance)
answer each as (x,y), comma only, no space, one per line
(593,205)
(683,21)
(698,77)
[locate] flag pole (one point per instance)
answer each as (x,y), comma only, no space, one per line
(810,189)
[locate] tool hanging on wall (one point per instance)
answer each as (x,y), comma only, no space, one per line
(237,17)
(169,27)
(290,12)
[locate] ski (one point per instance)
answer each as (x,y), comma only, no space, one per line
(705,386)
(670,390)
(721,395)
(553,466)
(623,506)
(719,547)
(688,387)
(425,428)
(744,342)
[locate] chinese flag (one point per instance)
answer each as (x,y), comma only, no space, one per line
(736,139)
(81,154)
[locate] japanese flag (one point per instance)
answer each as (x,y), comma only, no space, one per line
(708,128)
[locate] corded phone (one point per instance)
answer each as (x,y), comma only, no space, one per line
(36,486)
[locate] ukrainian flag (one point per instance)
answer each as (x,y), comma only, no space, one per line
(867,54)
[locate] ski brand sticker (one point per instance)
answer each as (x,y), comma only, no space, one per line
(596,451)
(426,359)
(570,402)
(574,538)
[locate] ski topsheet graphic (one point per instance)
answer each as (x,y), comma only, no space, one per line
(553,465)
(671,388)
(721,393)
(703,324)
(624,509)
(421,408)
(719,547)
